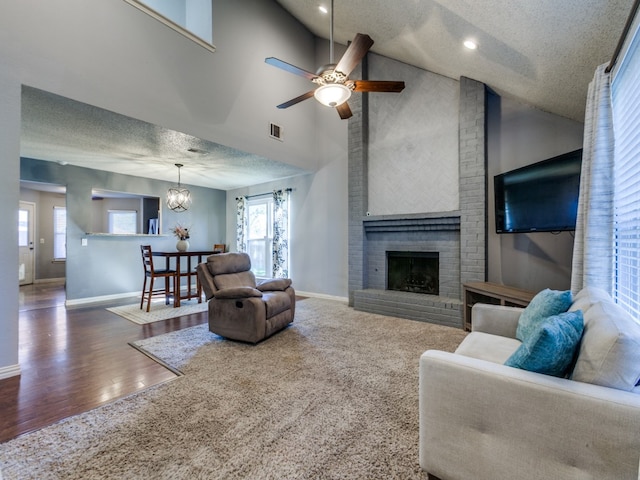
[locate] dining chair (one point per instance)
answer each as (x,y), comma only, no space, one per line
(151,273)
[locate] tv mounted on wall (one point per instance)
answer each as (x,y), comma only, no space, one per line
(542,197)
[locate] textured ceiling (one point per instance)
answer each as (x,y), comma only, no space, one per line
(55,128)
(541,52)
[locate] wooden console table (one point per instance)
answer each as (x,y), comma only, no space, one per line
(485,292)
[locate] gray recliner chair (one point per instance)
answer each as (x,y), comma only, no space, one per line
(240,308)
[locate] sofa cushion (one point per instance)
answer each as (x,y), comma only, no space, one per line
(585,298)
(486,346)
(551,347)
(545,304)
(231,280)
(609,353)
(228,263)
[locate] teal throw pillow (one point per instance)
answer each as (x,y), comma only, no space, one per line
(550,349)
(544,304)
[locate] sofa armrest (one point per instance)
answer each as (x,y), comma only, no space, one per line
(483,420)
(495,319)
(237,293)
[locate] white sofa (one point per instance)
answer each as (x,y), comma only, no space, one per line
(480,419)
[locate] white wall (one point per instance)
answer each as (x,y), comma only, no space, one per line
(109,54)
(520,135)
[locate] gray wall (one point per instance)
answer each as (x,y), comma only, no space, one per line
(413,141)
(108,54)
(319,253)
(226,97)
(520,135)
(111,265)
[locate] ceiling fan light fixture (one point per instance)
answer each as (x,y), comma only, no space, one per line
(178,198)
(332,95)
(470,44)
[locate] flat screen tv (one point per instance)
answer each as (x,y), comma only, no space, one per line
(542,197)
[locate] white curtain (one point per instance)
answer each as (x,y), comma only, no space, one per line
(593,247)
(241,224)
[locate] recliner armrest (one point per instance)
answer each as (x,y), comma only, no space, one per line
(274,284)
(237,292)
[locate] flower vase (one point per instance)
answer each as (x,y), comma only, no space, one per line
(182,245)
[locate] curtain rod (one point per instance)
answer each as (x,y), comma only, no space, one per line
(269,193)
(623,37)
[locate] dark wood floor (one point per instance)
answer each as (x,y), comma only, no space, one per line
(73,360)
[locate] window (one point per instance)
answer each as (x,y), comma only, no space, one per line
(122,221)
(260,235)
(59,233)
(262,231)
(626,123)
(23,228)
(191,18)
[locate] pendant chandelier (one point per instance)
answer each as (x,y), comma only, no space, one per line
(178,198)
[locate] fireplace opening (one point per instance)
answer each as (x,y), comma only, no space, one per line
(416,272)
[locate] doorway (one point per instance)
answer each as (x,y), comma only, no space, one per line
(42,236)
(26,246)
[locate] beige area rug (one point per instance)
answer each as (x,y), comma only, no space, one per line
(334,396)
(158,311)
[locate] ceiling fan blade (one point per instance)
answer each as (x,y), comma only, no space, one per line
(344,111)
(290,68)
(298,99)
(378,86)
(355,52)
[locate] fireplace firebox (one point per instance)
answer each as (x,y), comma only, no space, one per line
(415,272)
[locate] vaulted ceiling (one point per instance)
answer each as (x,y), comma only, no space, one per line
(541,52)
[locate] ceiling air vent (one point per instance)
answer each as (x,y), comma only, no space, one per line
(275,131)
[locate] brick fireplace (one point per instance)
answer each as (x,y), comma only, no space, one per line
(428,236)
(459,238)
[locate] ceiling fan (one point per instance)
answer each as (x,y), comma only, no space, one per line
(333,84)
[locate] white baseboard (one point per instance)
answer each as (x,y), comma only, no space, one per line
(321,295)
(10,371)
(83,302)
(76,302)
(49,280)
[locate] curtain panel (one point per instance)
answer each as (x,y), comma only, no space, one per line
(241,224)
(592,263)
(280,253)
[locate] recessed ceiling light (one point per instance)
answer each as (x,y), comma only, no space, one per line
(323,9)
(470,44)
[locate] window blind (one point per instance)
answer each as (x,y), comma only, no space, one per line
(59,233)
(626,124)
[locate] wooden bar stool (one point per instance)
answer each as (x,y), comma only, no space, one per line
(151,273)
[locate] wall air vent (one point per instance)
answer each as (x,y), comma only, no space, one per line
(275,131)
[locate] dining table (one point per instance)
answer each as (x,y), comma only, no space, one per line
(184,267)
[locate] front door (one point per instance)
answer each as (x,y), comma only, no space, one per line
(26,247)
